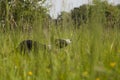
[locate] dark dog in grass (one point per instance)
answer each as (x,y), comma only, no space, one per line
(27,46)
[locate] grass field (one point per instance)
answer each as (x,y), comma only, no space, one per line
(94,53)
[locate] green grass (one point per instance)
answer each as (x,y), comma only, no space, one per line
(94,53)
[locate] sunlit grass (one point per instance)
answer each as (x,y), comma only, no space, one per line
(88,57)
(94,53)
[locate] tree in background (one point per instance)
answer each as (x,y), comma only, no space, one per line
(21,13)
(64,20)
(107,14)
(80,15)
(111,13)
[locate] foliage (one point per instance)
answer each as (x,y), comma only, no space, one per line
(64,20)
(94,53)
(110,14)
(80,15)
(15,12)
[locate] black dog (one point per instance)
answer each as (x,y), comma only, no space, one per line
(61,43)
(27,46)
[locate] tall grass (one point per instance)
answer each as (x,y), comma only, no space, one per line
(94,53)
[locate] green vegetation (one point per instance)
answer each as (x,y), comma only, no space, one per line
(94,53)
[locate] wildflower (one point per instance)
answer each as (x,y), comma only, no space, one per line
(30,73)
(85,74)
(113,64)
(97,78)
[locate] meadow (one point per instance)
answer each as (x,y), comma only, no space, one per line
(94,53)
